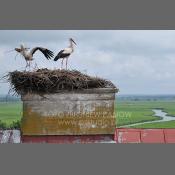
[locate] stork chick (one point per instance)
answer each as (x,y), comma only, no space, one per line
(28,55)
(65,53)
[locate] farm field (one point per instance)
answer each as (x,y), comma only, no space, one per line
(10,112)
(167,124)
(127,112)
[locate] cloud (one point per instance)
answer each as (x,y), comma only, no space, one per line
(137,61)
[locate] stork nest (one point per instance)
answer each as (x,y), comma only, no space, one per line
(51,81)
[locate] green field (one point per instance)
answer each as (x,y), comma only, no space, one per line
(127,112)
(10,112)
(168,124)
(140,111)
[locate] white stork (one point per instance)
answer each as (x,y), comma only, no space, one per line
(65,53)
(28,55)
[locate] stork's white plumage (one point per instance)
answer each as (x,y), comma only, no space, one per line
(28,55)
(65,53)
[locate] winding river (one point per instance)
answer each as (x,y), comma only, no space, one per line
(157,113)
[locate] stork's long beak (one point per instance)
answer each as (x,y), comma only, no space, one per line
(74,42)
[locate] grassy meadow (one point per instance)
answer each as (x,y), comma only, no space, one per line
(10,112)
(127,112)
(130,112)
(167,124)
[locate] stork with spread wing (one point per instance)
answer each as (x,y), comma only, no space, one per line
(28,55)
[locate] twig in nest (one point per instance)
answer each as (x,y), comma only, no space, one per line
(50,81)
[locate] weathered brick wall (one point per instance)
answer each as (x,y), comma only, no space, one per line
(86,112)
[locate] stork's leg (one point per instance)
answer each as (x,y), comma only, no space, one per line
(62,63)
(27,64)
(36,66)
(30,63)
(66,62)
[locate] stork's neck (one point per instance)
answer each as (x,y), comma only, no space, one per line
(71,45)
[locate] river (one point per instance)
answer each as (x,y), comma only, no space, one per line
(157,113)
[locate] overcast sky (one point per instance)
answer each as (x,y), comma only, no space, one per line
(136,61)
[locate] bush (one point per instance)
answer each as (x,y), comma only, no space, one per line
(15,125)
(3,125)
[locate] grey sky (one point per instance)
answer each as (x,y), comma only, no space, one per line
(137,61)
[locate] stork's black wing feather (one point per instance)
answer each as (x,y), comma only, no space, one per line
(58,55)
(47,53)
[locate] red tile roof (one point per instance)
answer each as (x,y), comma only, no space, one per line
(122,135)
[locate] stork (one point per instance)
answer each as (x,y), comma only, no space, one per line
(65,53)
(28,55)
